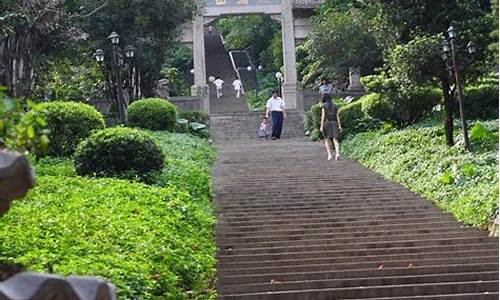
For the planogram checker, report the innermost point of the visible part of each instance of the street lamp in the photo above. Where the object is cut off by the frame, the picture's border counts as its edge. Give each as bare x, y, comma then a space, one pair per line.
471, 47
249, 69
130, 54
191, 71
115, 39
279, 77
99, 55
129, 51
449, 47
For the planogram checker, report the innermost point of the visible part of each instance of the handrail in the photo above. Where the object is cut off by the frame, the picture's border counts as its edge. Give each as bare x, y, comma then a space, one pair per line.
234, 64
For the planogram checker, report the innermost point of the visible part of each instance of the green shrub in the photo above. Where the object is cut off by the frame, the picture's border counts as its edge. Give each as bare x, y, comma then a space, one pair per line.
464, 183
119, 152
376, 106
411, 106
68, 124
152, 113
353, 119
481, 102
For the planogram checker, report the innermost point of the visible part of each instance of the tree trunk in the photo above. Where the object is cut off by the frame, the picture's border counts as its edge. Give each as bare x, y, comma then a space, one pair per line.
448, 110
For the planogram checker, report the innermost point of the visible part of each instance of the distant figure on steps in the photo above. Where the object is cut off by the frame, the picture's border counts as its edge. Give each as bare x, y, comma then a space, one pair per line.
263, 129
218, 86
325, 87
238, 87
210, 29
276, 106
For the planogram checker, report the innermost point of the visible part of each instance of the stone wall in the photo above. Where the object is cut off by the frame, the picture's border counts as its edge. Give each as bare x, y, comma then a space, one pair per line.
187, 103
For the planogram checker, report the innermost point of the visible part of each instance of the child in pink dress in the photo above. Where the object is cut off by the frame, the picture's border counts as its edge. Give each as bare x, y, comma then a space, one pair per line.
263, 130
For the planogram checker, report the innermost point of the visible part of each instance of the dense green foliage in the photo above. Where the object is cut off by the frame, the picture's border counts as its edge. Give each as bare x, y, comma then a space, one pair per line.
21, 134
341, 39
152, 242
40, 34
376, 106
68, 124
464, 183
152, 113
119, 152
354, 120
409, 105
481, 101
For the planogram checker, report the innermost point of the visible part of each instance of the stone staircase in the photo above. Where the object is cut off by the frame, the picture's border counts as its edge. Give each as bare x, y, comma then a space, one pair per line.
292, 225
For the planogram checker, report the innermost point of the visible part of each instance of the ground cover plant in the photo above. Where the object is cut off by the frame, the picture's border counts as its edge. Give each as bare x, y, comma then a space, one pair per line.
463, 183
153, 241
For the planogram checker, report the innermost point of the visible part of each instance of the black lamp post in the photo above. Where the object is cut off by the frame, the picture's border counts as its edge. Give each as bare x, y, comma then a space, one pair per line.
130, 54
449, 47
279, 77
115, 40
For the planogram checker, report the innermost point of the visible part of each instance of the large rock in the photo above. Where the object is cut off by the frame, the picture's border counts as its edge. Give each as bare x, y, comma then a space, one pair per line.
16, 178
50, 287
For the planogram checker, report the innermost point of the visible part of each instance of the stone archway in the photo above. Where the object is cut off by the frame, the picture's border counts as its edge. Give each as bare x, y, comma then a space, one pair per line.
294, 28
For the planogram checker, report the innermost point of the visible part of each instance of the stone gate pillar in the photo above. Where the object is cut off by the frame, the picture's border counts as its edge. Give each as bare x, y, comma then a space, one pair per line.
200, 80
289, 60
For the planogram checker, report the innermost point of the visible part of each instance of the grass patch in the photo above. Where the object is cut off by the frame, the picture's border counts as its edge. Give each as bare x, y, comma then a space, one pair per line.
463, 183
151, 241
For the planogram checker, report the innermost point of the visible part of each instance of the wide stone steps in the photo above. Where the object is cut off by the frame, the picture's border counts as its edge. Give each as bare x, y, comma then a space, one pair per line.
403, 290
291, 225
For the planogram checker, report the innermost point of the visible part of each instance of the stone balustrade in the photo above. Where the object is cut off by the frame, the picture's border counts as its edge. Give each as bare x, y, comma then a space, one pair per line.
304, 4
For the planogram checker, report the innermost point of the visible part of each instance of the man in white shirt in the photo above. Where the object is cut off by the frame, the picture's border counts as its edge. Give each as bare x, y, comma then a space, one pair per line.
276, 106
218, 86
238, 87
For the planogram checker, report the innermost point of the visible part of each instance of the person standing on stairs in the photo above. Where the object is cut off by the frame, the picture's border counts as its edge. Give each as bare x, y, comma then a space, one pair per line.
330, 125
218, 86
276, 106
238, 87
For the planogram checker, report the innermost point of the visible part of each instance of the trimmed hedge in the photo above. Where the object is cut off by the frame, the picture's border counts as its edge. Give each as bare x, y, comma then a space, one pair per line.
68, 124
353, 119
376, 106
481, 102
153, 114
119, 152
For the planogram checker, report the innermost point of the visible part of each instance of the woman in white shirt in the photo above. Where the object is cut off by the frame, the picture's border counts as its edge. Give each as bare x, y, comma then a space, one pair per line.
276, 106
238, 87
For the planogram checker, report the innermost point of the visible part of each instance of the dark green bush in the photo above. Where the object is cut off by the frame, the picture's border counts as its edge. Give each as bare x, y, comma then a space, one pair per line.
376, 106
413, 105
353, 119
152, 113
481, 102
68, 124
410, 104
119, 152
